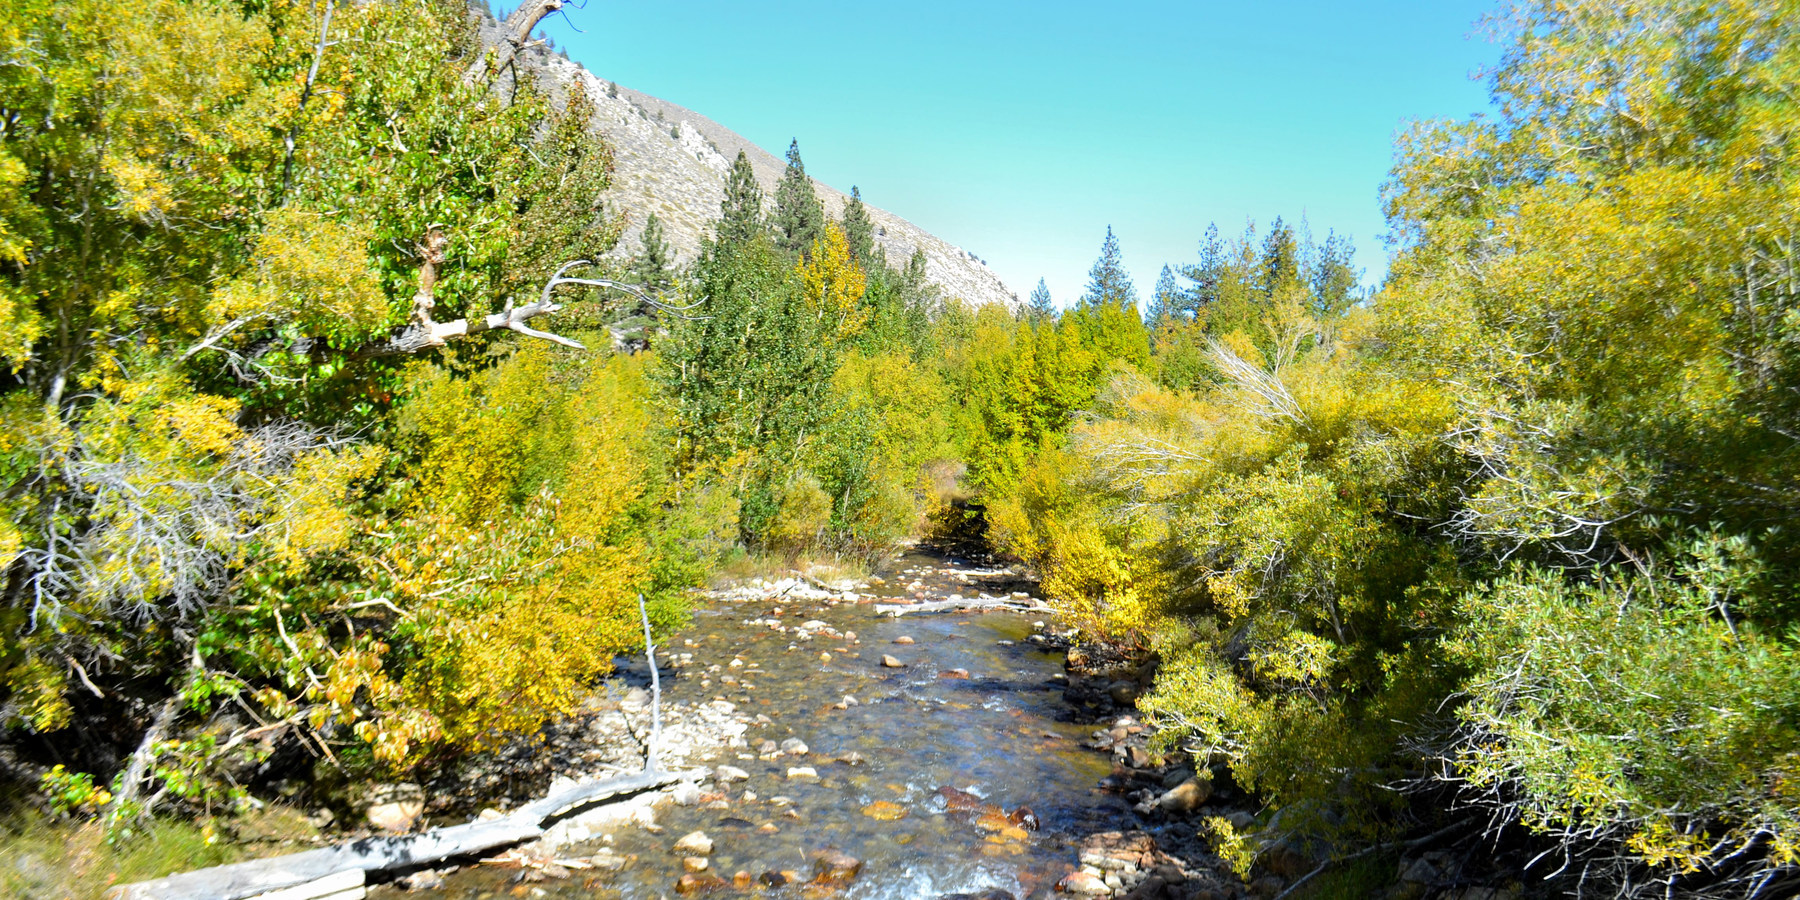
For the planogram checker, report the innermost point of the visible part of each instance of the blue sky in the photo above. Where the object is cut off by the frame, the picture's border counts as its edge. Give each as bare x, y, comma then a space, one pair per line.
1021, 130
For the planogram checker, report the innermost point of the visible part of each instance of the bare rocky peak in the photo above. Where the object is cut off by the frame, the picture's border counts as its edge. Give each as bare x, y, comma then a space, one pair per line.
673, 161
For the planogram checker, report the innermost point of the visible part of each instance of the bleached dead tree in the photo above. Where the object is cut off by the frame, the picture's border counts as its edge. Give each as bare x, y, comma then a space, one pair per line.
519, 25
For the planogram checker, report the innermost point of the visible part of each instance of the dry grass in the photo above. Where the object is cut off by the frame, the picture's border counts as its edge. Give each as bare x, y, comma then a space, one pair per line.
44, 858
742, 566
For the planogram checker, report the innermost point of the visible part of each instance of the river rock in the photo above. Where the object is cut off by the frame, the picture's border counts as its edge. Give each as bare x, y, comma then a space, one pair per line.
954, 673
885, 811
1287, 860
729, 774
694, 863
1267, 887
1151, 888
687, 793
695, 884
836, 867
794, 747
422, 880
903, 639
1186, 796
695, 844
892, 663
395, 807
1084, 885
796, 773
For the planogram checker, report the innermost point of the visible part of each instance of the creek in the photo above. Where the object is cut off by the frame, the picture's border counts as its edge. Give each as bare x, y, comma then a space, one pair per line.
976, 705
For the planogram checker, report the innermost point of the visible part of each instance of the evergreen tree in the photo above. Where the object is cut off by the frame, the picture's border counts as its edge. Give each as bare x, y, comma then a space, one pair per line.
1166, 299
1041, 306
1107, 316
1207, 274
740, 214
1280, 257
1108, 282
858, 230
652, 268
1332, 276
799, 216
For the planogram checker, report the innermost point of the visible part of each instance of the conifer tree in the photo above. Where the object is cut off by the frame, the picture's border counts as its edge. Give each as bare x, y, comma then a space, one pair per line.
1166, 299
1108, 282
1280, 257
858, 230
1107, 317
740, 213
1209, 274
799, 216
653, 266
1041, 306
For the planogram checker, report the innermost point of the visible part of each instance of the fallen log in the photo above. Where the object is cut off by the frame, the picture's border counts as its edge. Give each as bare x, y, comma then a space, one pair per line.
970, 604
376, 854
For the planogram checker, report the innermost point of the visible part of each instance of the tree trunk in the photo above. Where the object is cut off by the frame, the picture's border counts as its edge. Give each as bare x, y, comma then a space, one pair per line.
135, 772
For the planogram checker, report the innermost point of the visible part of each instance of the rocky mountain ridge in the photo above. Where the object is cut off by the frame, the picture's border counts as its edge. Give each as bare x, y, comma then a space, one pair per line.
672, 161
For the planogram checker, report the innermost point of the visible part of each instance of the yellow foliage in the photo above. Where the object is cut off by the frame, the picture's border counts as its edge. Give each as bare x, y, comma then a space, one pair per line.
311, 271
834, 284
804, 513
38, 690
516, 604
11, 542
315, 517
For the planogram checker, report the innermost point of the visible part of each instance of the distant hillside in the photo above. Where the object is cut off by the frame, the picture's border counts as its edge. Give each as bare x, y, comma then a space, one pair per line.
672, 161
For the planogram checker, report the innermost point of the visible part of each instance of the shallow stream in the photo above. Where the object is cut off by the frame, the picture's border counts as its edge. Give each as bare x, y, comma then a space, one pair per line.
975, 706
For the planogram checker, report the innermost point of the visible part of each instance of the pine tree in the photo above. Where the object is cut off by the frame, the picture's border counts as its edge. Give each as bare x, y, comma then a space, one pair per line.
799, 216
653, 266
1280, 257
740, 214
1333, 277
1041, 306
858, 230
1208, 274
1108, 282
1166, 300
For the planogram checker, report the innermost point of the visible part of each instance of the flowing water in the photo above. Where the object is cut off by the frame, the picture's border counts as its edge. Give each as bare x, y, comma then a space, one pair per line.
977, 707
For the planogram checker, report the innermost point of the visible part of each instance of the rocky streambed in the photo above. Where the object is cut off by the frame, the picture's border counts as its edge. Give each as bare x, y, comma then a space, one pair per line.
837, 751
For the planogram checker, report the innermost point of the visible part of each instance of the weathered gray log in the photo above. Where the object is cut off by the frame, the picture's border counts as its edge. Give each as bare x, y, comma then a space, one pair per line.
560, 805
379, 854
347, 885
975, 604
257, 876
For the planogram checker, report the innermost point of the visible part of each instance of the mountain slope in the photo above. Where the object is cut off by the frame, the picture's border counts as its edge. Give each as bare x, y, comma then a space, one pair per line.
672, 161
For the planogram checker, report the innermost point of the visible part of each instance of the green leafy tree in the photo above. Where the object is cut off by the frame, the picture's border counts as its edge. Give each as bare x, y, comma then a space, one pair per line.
216, 263
1616, 322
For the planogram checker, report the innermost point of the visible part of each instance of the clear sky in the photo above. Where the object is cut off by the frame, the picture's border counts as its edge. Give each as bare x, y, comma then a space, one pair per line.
1021, 130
